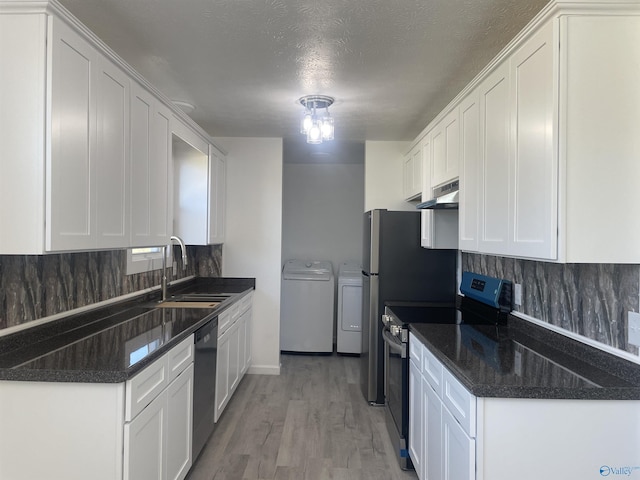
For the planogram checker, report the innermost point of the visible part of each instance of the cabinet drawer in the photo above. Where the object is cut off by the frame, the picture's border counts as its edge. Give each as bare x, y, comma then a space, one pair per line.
224, 321
245, 303
145, 386
180, 357
235, 311
432, 370
460, 402
415, 350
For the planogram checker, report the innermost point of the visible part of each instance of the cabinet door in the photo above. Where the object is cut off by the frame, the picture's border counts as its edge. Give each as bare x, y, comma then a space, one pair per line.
416, 449
446, 138
494, 164
217, 196
222, 374
112, 158
458, 450
144, 442
426, 216
534, 173
149, 161
179, 425
469, 172
431, 433
142, 104
242, 344
416, 176
234, 356
70, 195
407, 176
247, 338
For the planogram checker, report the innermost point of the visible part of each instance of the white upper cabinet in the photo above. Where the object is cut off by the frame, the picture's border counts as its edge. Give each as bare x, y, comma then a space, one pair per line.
150, 160
412, 173
426, 216
85, 141
88, 167
599, 126
469, 172
112, 153
217, 195
493, 225
198, 187
70, 223
547, 137
533, 180
445, 138
518, 168
438, 228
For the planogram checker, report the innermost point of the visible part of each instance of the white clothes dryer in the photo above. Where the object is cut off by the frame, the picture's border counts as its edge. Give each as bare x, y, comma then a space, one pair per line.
349, 329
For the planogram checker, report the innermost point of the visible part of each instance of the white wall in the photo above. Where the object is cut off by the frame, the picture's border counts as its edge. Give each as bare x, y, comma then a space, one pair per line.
383, 175
254, 237
322, 212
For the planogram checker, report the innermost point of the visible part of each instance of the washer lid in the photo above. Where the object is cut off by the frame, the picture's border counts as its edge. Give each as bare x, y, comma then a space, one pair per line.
350, 270
307, 270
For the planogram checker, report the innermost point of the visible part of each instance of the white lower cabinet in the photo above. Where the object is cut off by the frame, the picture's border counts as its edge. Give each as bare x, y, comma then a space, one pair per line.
234, 355
439, 441
431, 428
416, 448
457, 450
134, 430
157, 441
234, 351
179, 425
144, 440
455, 435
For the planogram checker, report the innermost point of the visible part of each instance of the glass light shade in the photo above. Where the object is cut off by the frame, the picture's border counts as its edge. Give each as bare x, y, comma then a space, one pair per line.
307, 120
327, 128
314, 135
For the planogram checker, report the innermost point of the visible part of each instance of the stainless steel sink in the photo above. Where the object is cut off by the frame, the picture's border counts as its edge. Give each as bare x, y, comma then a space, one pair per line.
202, 297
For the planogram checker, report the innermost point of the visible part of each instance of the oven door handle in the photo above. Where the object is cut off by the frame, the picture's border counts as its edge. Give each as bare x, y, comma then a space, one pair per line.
393, 343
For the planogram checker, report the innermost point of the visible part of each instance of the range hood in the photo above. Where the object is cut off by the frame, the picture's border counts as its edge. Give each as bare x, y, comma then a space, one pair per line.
444, 196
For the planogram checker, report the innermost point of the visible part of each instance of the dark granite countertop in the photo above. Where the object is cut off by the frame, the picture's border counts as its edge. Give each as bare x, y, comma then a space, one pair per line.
112, 343
524, 360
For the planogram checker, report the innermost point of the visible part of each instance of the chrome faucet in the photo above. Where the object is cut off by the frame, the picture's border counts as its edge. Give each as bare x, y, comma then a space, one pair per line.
183, 250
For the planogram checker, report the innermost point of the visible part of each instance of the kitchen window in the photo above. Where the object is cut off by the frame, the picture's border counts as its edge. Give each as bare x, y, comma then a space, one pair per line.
140, 260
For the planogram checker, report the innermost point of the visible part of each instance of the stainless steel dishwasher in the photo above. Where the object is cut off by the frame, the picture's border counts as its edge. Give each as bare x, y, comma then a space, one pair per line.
204, 384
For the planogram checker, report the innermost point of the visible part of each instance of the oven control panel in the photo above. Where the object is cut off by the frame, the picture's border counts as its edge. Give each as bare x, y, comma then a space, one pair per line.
488, 290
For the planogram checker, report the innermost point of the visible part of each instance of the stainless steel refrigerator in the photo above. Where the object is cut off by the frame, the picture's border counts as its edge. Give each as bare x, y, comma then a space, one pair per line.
396, 268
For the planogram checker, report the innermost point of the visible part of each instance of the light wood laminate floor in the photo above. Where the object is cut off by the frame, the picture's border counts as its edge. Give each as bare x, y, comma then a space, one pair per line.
309, 423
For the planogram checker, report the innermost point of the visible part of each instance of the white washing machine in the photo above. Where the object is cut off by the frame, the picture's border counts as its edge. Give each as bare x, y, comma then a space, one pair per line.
349, 329
306, 321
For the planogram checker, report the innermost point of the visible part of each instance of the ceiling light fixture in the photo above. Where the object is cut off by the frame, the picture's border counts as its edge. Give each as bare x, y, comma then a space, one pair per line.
316, 125
186, 107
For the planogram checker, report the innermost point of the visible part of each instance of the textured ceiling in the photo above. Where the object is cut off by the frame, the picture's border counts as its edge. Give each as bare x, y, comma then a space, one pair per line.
391, 65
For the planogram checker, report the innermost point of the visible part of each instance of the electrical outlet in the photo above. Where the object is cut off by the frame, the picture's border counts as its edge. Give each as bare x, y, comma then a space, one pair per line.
517, 294
634, 328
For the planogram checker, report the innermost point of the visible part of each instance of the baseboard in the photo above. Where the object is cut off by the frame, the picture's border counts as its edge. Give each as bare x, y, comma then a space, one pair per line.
264, 370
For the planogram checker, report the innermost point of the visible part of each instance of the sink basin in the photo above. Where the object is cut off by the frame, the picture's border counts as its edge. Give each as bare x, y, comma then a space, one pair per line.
187, 304
202, 297
195, 300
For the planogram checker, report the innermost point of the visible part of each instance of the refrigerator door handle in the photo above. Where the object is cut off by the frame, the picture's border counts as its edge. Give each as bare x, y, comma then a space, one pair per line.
374, 266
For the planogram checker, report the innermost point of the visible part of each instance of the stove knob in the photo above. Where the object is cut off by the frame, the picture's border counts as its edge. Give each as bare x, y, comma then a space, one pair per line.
395, 330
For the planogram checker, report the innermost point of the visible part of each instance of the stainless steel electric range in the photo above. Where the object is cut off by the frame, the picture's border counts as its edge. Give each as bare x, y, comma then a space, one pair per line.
486, 301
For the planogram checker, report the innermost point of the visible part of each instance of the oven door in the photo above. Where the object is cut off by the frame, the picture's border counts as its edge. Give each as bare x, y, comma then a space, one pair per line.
396, 385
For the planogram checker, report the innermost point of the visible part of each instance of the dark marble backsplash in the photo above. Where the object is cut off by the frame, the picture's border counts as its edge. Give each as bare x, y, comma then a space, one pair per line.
36, 286
588, 299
